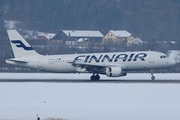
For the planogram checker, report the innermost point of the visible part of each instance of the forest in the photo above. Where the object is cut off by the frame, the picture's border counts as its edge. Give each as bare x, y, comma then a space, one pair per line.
155, 20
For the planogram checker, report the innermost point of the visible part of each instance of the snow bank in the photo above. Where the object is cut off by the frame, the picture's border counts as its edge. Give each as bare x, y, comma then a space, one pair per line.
84, 101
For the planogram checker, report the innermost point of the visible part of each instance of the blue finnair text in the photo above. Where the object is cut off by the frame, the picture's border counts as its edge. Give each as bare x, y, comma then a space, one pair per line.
111, 58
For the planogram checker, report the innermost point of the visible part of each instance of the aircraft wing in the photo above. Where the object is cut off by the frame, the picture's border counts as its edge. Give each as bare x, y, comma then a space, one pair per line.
93, 68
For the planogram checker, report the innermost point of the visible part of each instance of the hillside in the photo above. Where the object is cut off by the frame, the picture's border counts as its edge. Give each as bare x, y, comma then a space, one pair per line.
154, 20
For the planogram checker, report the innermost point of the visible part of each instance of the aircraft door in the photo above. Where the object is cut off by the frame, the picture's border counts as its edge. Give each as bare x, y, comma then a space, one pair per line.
151, 58
40, 63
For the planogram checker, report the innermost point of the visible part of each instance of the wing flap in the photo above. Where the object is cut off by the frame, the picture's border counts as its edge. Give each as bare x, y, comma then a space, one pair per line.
97, 68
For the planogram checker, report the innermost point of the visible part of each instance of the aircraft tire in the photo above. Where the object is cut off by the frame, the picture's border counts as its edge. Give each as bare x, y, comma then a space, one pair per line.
95, 77
152, 77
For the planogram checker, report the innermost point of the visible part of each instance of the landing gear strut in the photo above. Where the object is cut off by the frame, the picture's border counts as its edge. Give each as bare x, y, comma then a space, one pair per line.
152, 77
95, 77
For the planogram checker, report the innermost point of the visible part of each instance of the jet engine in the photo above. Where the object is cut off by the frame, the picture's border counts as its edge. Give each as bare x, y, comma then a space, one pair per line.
115, 72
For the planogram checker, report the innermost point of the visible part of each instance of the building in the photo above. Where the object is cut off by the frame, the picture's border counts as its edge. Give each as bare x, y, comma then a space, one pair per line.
75, 37
45, 36
49, 37
119, 36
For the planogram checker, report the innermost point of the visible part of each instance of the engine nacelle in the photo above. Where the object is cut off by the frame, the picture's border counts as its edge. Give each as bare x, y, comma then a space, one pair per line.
115, 72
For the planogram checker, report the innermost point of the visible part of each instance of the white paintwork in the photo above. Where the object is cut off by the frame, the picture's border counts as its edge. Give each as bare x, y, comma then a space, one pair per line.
67, 64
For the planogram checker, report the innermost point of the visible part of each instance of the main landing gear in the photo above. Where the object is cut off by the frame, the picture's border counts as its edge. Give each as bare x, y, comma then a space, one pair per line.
152, 77
95, 77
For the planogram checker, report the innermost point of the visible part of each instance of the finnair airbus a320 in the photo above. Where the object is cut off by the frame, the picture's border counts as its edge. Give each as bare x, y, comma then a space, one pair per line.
113, 64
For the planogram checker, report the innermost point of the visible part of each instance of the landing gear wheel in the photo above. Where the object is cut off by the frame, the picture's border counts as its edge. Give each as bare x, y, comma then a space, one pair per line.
92, 77
152, 77
95, 77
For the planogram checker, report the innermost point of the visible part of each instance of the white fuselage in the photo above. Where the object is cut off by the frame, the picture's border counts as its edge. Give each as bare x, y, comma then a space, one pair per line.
113, 64
141, 60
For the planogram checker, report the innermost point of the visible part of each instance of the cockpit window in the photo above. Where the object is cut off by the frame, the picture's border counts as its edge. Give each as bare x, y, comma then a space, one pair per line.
163, 56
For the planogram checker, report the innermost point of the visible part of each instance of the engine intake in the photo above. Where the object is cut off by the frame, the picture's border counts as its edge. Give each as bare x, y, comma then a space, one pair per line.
115, 72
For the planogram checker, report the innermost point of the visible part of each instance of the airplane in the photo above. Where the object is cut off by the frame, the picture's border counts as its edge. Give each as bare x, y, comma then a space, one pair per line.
113, 64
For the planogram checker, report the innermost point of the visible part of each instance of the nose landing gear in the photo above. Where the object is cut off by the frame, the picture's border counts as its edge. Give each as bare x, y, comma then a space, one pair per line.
152, 77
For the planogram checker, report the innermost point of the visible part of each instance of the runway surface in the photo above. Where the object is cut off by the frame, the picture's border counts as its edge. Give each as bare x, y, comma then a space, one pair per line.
89, 81
85, 78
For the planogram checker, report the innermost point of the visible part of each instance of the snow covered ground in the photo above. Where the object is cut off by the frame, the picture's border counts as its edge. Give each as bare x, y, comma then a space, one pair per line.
89, 101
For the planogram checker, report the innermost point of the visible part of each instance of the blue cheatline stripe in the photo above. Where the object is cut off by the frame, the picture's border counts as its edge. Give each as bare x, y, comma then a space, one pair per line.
20, 44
